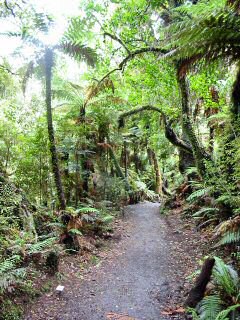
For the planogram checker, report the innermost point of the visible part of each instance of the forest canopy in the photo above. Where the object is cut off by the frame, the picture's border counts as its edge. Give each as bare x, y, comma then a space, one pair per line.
107, 103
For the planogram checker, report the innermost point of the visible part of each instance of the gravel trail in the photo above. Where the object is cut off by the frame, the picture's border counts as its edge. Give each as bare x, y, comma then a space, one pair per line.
132, 285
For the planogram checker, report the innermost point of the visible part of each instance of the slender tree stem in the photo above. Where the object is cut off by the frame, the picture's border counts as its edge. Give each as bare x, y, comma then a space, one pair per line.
53, 150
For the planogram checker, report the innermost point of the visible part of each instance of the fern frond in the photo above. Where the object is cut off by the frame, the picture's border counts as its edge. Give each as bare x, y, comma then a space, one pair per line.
75, 232
107, 218
231, 225
223, 315
205, 32
210, 306
86, 210
198, 194
226, 277
193, 313
11, 277
205, 211
42, 245
80, 52
9, 264
230, 237
94, 89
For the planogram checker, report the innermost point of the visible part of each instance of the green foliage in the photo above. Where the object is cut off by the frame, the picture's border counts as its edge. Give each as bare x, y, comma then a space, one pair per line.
147, 41
210, 307
42, 245
230, 237
205, 212
219, 306
10, 273
196, 195
226, 277
10, 311
223, 315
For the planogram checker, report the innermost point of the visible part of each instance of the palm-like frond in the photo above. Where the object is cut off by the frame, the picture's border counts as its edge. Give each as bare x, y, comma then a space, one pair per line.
79, 52
94, 89
209, 30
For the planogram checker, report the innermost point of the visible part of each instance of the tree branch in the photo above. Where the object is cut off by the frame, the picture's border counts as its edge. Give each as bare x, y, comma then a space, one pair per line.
9, 9
169, 132
174, 139
112, 36
143, 108
130, 56
8, 70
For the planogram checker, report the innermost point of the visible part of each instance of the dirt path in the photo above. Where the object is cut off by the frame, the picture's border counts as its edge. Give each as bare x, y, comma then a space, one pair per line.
133, 282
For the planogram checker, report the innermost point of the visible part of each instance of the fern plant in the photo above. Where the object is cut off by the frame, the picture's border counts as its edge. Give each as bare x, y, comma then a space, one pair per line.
227, 291
10, 273
230, 237
205, 212
226, 277
210, 307
196, 195
42, 245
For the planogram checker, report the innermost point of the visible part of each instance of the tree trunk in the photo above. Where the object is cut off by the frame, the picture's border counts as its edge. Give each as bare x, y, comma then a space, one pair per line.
200, 155
125, 158
78, 188
53, 150
186, 160
197, 292
235, 109
85, 174
119, 171
157, 171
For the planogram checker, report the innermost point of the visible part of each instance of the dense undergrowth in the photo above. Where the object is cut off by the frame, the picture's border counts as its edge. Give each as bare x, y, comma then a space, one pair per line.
136, 100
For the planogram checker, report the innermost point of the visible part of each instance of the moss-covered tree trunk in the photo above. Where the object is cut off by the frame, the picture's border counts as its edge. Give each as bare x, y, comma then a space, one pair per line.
53, 150
158, 177
119, 170
199, 153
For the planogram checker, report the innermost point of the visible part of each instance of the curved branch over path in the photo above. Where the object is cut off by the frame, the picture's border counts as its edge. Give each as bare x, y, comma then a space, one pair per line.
169, 132
130, 56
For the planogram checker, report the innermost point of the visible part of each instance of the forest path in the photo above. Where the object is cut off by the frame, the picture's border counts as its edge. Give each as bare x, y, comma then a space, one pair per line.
133, 284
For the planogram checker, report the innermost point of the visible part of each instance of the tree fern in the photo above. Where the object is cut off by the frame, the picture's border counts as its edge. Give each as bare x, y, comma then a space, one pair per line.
205, 31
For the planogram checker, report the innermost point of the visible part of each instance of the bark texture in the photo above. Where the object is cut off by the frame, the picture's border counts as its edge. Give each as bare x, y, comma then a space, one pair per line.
197, 292
200, 154
53, 150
